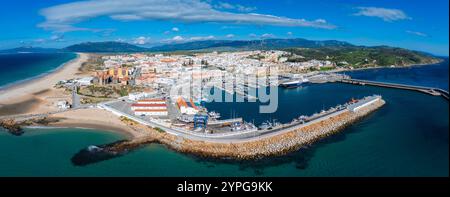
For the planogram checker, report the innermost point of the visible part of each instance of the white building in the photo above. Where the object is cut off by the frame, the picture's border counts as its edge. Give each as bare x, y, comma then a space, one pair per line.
150, 107
84, 81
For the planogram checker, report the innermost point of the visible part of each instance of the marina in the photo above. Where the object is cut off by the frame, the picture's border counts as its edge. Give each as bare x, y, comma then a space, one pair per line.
152, 159
335, 118
247, 132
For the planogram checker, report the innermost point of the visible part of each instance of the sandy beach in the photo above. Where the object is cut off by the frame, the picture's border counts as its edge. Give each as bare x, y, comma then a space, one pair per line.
38, 95
95, 118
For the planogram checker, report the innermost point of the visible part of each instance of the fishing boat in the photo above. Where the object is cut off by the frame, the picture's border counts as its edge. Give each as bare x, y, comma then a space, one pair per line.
266, 126
214, 115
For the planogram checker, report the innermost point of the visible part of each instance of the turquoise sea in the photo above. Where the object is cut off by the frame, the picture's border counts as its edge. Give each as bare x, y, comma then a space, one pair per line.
409, 136
18, 67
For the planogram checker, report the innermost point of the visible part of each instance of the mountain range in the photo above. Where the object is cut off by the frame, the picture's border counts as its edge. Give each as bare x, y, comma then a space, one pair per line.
220, 45
310, 48
301, 50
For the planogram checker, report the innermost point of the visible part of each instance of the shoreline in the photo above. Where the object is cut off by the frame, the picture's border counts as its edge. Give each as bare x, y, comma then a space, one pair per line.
21, 82
91, 128
65, 70
38, 92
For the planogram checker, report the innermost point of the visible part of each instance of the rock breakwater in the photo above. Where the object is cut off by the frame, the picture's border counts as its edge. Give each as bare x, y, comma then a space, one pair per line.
274, 145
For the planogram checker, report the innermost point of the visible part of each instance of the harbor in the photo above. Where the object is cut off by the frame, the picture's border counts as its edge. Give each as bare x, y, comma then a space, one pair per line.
274, 140
153, 158
185, 122
307, 105
243, 89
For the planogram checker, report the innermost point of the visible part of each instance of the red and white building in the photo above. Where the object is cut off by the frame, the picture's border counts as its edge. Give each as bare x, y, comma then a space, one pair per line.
150, 107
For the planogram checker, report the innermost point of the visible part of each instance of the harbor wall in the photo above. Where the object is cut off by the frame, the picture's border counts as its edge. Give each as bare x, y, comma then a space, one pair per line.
274, 145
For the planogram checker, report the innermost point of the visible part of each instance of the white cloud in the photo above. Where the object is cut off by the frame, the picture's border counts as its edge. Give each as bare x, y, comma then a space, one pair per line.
383, 13
289, 33
63, 17
223, 5
141, 40
238, 7
245, 9
201, 38
230, 36
417, 33
252, 35
267, 36
181, 39
175, 29
53, 38
178, 38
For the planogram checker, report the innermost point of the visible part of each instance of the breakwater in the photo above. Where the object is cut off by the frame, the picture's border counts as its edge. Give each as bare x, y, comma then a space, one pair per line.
277, 143
274, 145
94, 154
426, 90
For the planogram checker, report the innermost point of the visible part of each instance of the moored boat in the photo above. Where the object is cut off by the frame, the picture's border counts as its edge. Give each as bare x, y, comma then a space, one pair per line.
294, 83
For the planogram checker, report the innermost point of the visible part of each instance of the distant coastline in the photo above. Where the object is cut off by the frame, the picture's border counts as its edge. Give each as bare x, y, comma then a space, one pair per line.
441, 60
37, 77
29, 95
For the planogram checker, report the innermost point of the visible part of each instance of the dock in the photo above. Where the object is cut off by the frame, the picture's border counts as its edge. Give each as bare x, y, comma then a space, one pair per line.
225, 122
423, 89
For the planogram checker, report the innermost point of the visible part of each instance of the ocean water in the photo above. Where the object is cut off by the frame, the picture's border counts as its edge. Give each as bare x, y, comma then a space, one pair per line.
435, 75
409, 136
22, 66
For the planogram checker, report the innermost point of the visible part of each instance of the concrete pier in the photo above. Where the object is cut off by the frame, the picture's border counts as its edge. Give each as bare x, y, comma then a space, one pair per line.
427, 90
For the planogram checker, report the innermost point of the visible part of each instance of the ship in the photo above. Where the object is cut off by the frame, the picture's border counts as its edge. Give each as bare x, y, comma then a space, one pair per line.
294, 83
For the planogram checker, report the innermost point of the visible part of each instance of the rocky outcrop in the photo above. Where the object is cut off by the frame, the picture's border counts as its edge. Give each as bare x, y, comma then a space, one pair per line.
94, 154
12, 127
15, 126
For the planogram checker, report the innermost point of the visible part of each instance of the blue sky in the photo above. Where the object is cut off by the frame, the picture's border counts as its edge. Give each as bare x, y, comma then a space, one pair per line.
414, 24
